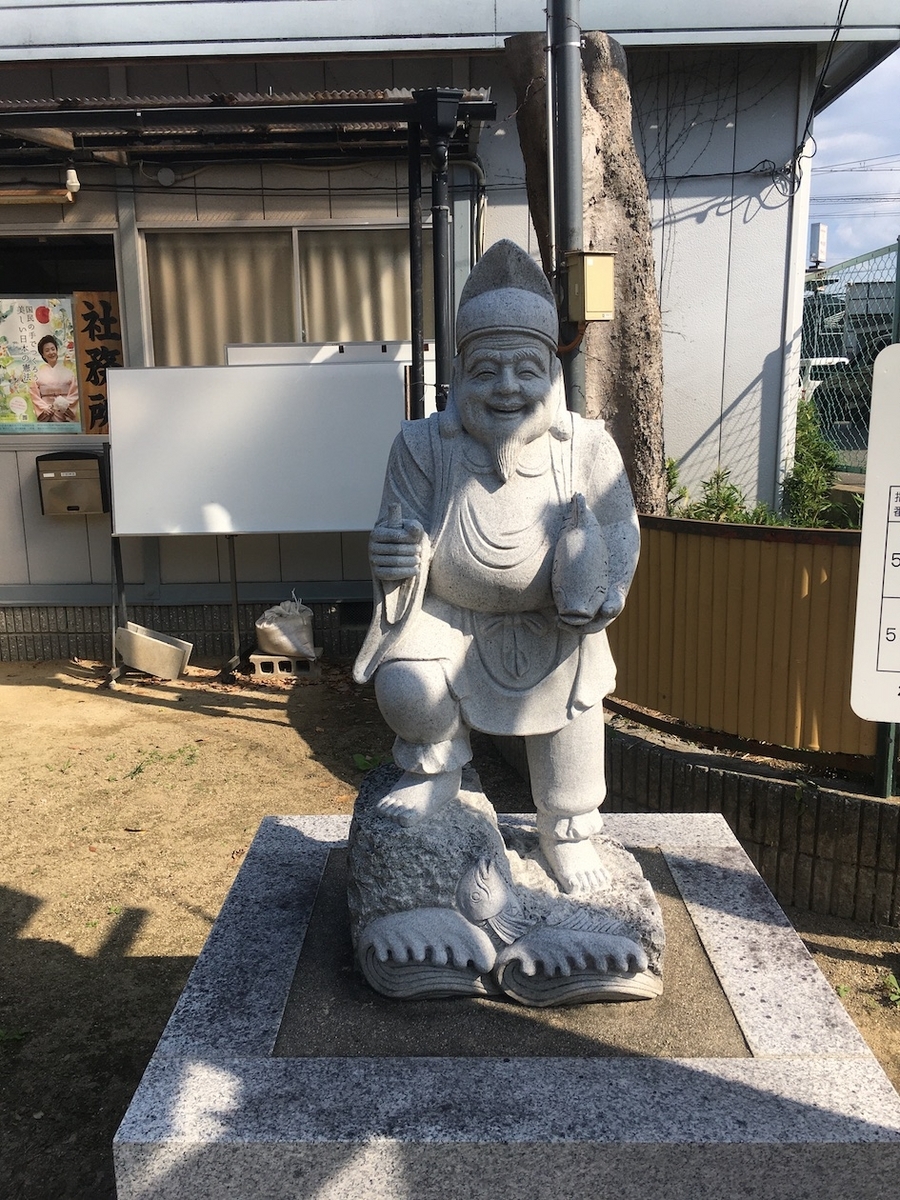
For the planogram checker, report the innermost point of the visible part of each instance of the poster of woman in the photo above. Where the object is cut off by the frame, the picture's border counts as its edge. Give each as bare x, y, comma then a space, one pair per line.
38, 387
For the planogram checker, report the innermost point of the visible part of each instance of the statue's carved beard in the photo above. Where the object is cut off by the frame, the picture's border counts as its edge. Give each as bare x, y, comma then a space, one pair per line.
505, 448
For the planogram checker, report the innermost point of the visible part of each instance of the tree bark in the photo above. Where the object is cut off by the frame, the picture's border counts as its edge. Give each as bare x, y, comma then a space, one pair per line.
623, 357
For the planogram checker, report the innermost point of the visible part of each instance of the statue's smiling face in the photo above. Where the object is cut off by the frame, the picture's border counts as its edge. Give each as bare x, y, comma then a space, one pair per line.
504, 389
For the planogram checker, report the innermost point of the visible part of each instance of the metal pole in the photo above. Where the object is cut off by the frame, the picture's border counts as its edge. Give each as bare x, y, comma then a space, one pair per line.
566, 54
438, 110
551, 151
885, 758
416, 292
227, 672
440, 232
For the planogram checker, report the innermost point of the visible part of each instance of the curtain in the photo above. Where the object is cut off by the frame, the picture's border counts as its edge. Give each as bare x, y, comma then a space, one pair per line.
211, 289
354, 285
237, 286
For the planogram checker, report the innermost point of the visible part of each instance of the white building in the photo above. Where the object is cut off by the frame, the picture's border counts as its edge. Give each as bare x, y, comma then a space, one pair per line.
255, 234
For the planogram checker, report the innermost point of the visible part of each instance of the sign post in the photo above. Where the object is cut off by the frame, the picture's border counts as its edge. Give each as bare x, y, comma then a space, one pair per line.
875, 682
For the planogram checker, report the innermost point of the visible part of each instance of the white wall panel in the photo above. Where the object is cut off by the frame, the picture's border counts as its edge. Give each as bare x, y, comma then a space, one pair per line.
158, 79
225, 195
156, 205
256, 557
57, 546
693, 298
189, 560
315, 556
507, 213
367, 193
132, 559
295, 194
13, 557
723, 239
355, 554
99, 548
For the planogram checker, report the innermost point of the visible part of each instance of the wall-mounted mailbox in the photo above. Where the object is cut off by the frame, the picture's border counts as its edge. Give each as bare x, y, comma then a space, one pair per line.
70, 481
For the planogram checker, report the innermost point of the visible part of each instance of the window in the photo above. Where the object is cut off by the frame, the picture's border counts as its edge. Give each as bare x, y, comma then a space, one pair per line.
210, 289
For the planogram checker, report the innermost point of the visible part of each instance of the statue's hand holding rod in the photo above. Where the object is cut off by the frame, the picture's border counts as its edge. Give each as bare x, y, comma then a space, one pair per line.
395, 547
397, 552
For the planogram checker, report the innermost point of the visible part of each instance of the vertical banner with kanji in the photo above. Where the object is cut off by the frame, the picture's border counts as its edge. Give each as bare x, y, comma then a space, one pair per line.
98, 346
38, 387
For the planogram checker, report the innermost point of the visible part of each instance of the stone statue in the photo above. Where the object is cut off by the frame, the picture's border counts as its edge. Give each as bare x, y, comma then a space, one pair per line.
506, 543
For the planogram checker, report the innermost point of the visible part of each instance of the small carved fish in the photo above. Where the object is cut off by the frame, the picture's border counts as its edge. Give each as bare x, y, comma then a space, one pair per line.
482, 892
484, 898
580, 565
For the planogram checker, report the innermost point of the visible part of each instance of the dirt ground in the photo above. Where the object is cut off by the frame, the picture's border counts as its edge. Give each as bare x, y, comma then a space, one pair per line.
126, 816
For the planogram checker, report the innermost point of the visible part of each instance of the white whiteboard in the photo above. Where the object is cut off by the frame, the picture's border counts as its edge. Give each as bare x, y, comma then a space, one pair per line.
287, 448
336, 353
875, 682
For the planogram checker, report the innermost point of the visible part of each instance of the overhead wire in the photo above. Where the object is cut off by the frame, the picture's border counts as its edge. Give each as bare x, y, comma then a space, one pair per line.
787, 180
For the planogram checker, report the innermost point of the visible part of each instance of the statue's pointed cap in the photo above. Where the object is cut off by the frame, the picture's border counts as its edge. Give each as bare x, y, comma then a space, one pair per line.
507, 292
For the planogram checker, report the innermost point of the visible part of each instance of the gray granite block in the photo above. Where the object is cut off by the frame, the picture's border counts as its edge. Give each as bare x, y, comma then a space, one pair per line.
810, 1114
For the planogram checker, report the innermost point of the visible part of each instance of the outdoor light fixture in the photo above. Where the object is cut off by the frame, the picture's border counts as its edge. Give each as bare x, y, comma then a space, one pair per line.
43, 195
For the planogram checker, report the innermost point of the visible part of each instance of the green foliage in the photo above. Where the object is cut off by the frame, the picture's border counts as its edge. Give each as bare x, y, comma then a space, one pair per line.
368, 762
721, 500
890, 989
13, 1035
676, 494
807, 486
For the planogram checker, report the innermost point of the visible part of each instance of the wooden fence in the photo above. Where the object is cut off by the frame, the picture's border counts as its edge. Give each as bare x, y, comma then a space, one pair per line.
746, 630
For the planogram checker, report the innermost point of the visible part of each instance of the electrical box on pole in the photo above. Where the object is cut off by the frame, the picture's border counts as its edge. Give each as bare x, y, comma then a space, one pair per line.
591, 286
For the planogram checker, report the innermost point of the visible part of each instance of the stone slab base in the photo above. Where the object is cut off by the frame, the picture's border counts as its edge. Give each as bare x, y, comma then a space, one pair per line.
808, 1112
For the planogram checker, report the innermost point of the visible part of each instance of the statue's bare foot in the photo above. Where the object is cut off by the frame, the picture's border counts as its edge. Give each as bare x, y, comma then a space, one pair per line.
415, 797
576, 865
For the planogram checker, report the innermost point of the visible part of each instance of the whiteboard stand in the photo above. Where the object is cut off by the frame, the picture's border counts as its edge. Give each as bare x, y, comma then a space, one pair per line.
119, 610
280, 447
237, 651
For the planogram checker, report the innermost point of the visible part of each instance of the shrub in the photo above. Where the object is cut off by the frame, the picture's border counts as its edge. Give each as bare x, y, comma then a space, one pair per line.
807, 486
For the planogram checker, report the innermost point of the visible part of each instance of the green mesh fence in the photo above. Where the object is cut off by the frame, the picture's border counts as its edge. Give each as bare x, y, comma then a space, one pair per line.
848, 315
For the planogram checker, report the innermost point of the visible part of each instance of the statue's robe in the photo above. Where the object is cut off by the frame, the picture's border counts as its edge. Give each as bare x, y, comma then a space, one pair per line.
482, 605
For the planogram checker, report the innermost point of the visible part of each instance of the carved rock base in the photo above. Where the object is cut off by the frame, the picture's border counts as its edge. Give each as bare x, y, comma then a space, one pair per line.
461, 904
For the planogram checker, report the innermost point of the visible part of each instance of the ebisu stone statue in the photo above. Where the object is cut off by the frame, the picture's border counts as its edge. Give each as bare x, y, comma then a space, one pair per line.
506, 543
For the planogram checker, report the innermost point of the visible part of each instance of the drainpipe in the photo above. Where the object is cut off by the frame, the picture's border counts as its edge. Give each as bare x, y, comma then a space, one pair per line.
551, 151
416, 290
438, 109
565, 52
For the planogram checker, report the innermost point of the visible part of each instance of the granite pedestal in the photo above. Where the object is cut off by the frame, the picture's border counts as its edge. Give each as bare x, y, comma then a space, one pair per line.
745, 1080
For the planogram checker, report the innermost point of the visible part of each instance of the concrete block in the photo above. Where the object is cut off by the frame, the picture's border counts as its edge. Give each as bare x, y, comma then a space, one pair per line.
155, 653
280, 666
800, 1108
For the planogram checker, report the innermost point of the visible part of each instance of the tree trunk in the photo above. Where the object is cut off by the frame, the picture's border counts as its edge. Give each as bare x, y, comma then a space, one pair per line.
623, 357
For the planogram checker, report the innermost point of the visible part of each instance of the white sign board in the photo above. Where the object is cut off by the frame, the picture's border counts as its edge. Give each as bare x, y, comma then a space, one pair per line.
336, 353
287, 448
875, 684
